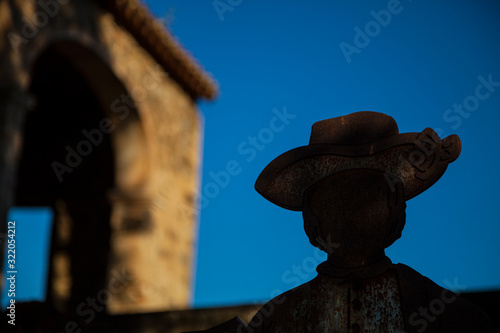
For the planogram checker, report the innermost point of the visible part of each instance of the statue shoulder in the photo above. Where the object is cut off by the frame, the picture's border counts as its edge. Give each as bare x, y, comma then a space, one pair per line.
283, 308
429, 307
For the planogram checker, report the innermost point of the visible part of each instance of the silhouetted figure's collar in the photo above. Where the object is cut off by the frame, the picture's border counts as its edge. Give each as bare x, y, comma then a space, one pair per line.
363, 272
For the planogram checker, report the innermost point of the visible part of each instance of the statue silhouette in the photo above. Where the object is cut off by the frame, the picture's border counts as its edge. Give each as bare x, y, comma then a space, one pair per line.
351, 183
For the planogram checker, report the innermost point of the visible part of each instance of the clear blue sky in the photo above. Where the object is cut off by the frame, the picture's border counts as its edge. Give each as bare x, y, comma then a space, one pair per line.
32, 234
309, 58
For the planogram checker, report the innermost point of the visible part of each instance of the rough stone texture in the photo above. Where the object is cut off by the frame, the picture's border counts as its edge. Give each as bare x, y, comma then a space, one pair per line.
329, 305
159, 258
156, 148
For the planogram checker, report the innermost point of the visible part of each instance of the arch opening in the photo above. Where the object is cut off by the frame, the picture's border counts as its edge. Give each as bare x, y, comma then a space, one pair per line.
69, 163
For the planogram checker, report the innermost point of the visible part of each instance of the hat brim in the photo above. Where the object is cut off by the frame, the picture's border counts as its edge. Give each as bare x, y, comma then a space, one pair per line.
418, 159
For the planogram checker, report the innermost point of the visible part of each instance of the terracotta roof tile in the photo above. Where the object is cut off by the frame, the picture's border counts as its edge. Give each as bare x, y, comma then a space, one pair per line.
160, 43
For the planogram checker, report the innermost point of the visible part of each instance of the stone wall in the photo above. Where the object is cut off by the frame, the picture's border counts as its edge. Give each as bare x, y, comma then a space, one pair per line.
156, 144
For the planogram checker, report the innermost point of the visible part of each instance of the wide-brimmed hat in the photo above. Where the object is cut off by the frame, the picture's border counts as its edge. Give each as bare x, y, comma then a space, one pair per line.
360, 140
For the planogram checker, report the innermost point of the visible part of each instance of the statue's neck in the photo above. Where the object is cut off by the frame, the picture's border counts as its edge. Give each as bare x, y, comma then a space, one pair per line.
363, 269
355, 261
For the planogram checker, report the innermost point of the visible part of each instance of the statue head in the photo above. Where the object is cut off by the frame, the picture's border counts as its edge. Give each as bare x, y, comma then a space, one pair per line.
353, 180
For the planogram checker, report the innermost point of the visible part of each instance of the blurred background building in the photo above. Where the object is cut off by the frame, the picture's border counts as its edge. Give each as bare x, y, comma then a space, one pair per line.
99, 122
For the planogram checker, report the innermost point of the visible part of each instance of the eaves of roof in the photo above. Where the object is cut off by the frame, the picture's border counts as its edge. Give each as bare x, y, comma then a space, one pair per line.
159, 42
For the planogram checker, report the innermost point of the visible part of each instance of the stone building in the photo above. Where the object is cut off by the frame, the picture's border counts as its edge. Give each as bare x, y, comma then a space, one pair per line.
98, 121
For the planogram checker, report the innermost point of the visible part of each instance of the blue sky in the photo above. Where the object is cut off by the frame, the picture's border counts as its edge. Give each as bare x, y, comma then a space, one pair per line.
32, 234
428, 64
